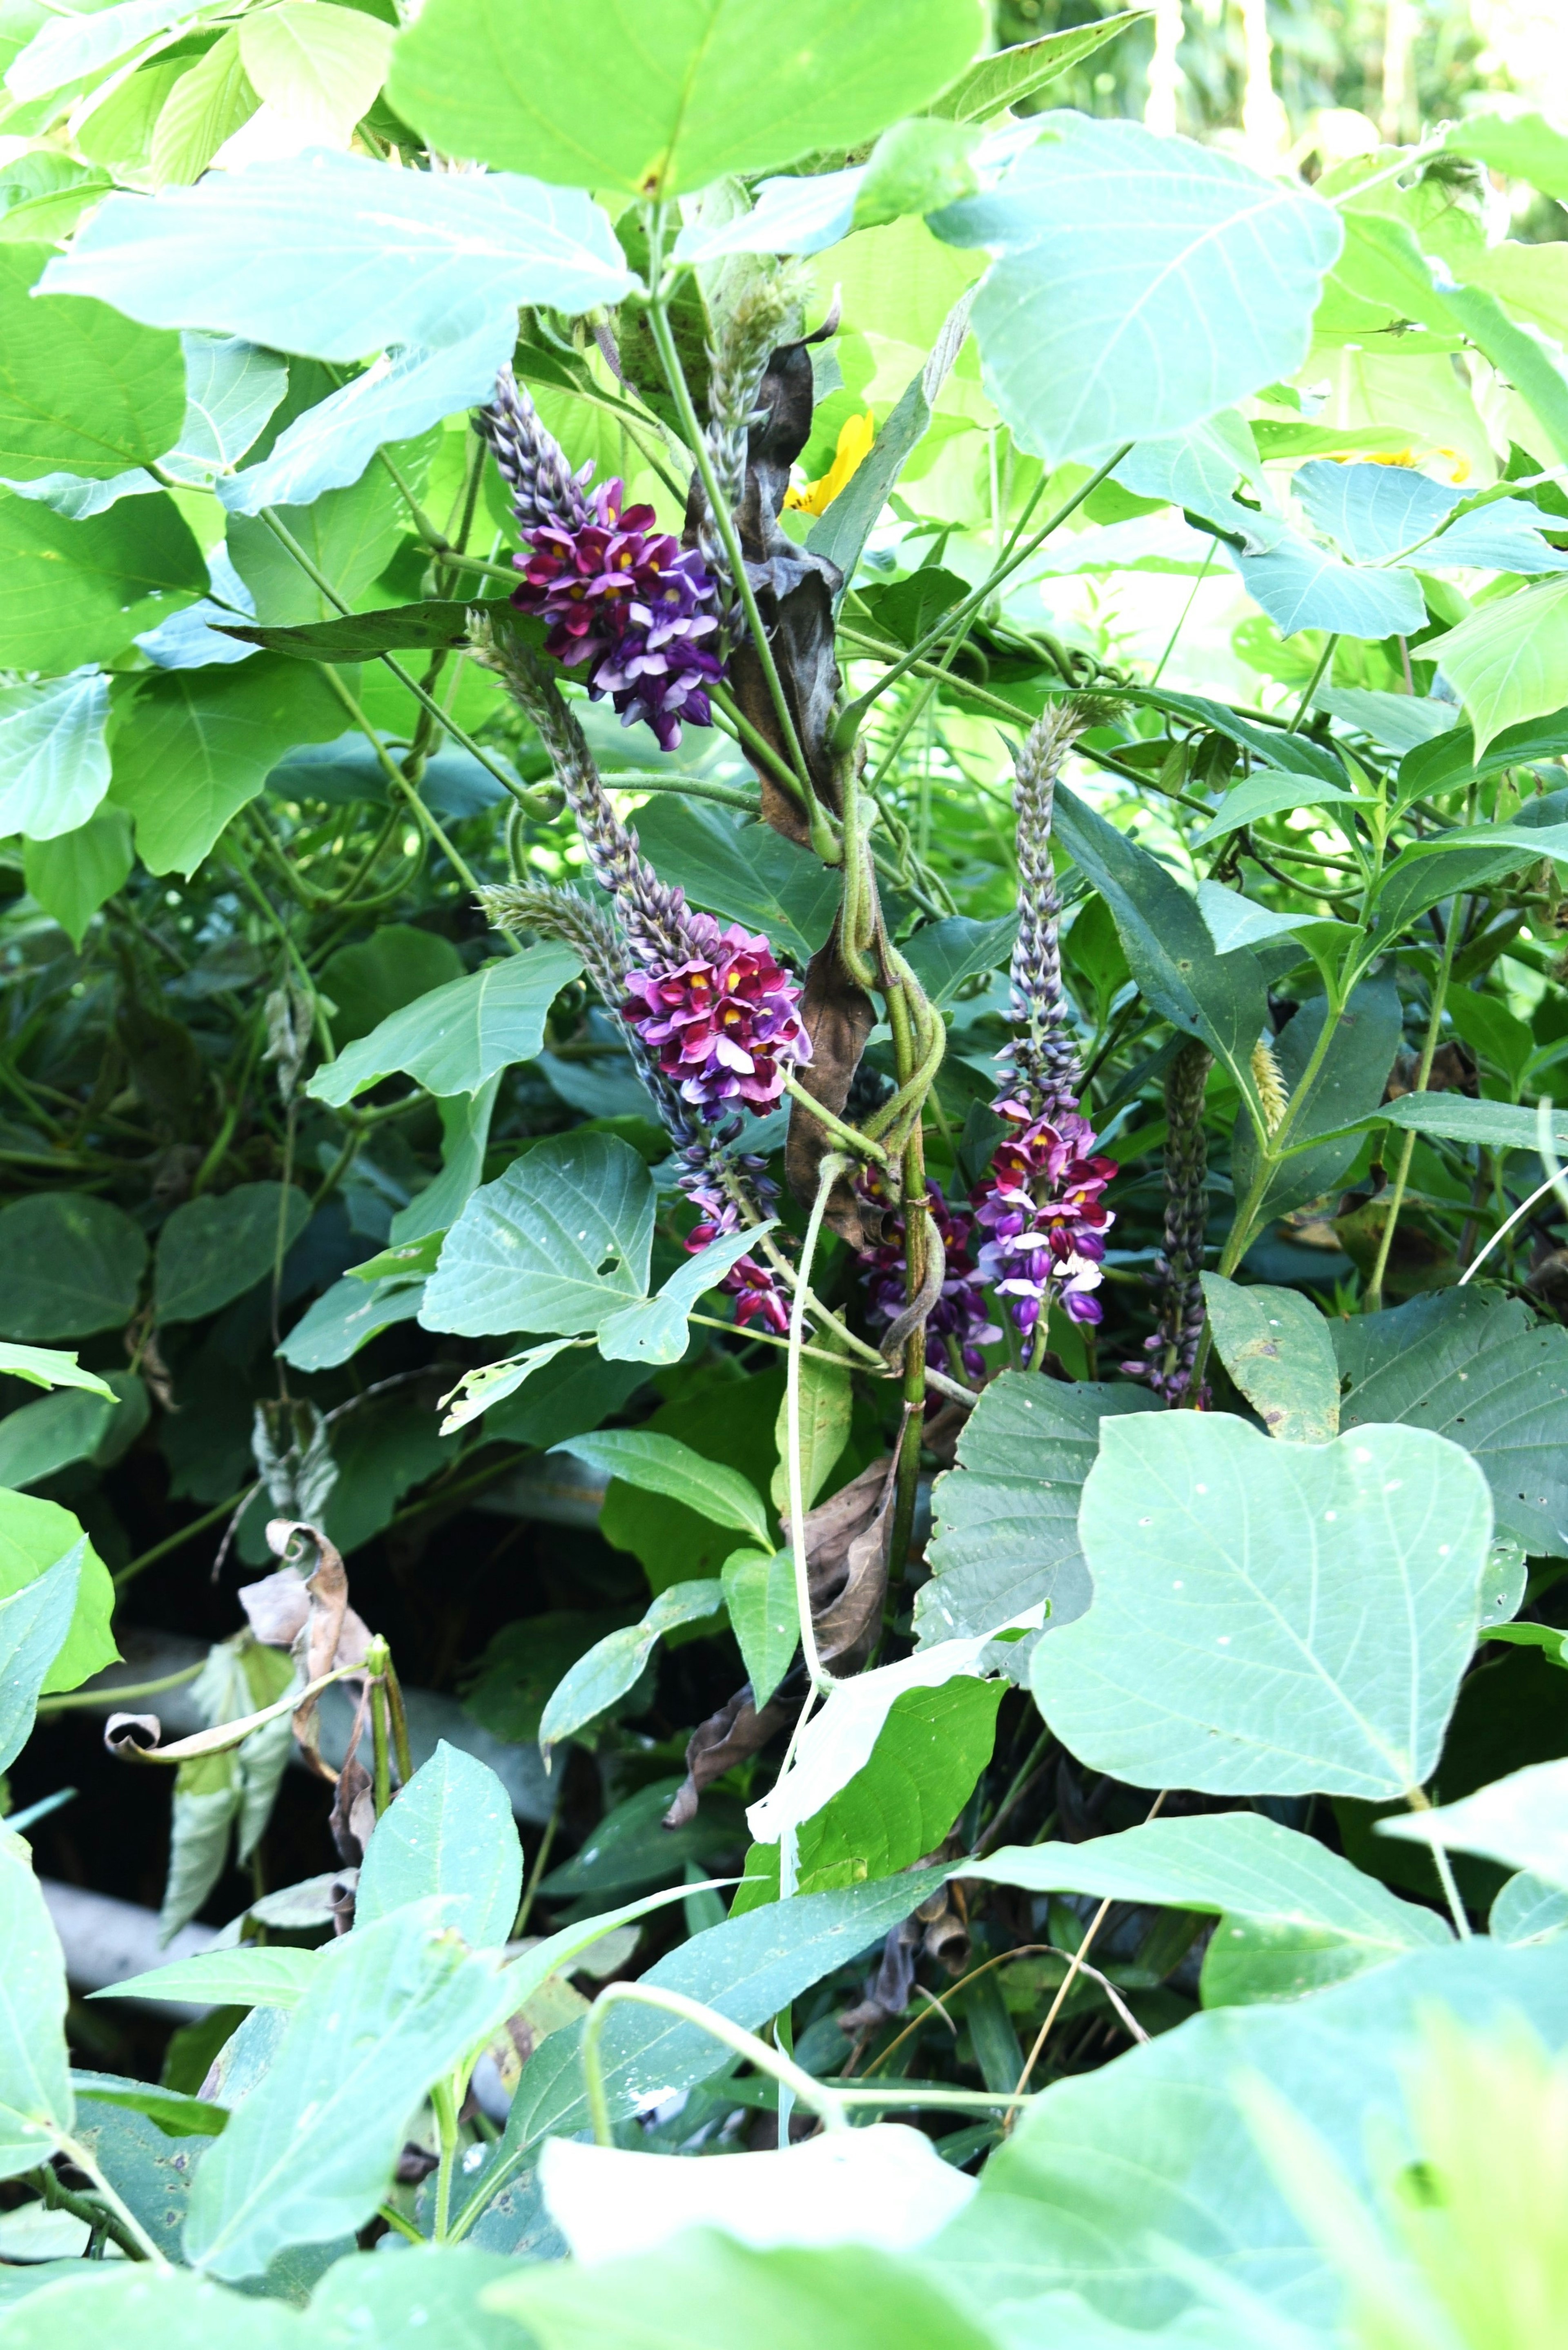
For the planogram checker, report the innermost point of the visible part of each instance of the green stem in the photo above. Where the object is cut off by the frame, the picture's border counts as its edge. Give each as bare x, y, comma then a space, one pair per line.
186, 1534
861, 1145
120, 1695
1312, 682
831, 1169
822, 2101
445, 2106
83, 2161
541, 1861
1373, 1300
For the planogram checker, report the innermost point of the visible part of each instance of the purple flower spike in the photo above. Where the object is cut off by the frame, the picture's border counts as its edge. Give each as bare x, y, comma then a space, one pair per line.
754, 1287
1041, 1206
959, 1313
725, 1025
622, 598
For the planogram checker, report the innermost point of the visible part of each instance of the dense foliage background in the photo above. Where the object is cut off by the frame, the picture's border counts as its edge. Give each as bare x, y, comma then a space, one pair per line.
1145, 452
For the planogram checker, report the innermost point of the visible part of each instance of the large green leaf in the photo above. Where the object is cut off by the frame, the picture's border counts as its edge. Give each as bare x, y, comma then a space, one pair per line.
727, 86
1143, 283
748, 1968
450, 1833
336, 256
560, 1243
53, 758
1522, 1820
36, 2099
82, 389
749, 874
141, 2308
45, 1435
378, 976
662, 1464
1472, 1364
1328, 1919
454, 1040
214, 1249
709, 2291
1221, 998
73, 877
149, 2172
1106, 2173
1269, 1619
944, 955
1508, 659
74, 592
613, 1665
310, 2152
759, 1593
33, 1537
428, 2299
35, 1619
1006, 1518
198, 744
1277, 1347
1493, 1125
658, 1329
346, 1318
73, 1265
321, 68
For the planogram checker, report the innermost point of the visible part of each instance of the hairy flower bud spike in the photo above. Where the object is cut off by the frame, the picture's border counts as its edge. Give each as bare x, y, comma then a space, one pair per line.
1172, 1350
545, 490
768, 311
1269, 1078
553, 913
1044, 1060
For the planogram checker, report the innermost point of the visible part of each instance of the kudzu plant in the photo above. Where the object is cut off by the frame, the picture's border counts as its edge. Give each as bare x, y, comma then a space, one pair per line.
611, 928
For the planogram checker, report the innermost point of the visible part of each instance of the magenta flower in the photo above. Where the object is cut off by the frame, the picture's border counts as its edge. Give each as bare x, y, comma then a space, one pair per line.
1041, 1205
623, 599
960, 1314
725, 1025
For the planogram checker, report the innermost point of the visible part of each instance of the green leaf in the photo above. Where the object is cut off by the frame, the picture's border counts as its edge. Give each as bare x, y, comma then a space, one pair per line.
1486, 1125
176, 2115
1522, 1820
369, 982
1320, 1909
319, 67
391, 2009
1190, 1524
334, 256
993, 84
1302, 586
614, 1665
558, 1244
1524, 146
43, 1437
1507, 660
203, 109
759, 1593
53, 758
728, 86
43, 1367
212, 1249
72, 878
749, 1968
662, 1464
432, 2295
658, 1330
944, 955
457, 1038
747, 873
34, 1536
1006, 1519
364, 636
1348, 1085
1277, 1347
346, 1318
197, 745
1471, 1365
73, 1264
82, 389
904, 1801
1106, 2173
35, 2100
631, 1847
35, 1619
449, 1834
717, 2292
67, 49
259, 1975
75, 592
349, 536
1232, 920
1528, 1909
476, 1391
827, 1406
147, 2309
1221, 998
1112, 243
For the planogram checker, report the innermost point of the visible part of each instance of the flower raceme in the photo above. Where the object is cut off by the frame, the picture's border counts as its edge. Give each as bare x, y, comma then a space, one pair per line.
959, 1313
724, 1025
754, 1287
1041, 1206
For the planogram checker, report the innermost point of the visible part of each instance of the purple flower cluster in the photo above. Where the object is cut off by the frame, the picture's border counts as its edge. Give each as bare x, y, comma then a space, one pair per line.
960, 1314
724, 1025
1041, 1206
622, 597
754, 1287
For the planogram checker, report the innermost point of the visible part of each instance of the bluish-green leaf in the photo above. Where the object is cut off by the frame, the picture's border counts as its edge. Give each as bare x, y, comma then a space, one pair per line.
658, 1331
1522, 1820
53, 758
346, 1318
612, 1666
35, 2100
76, 592
454, 1040
560, 1243
214, 1248
35, 1618
1269, 1619
1143, 283
450, 1833
73, 1265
